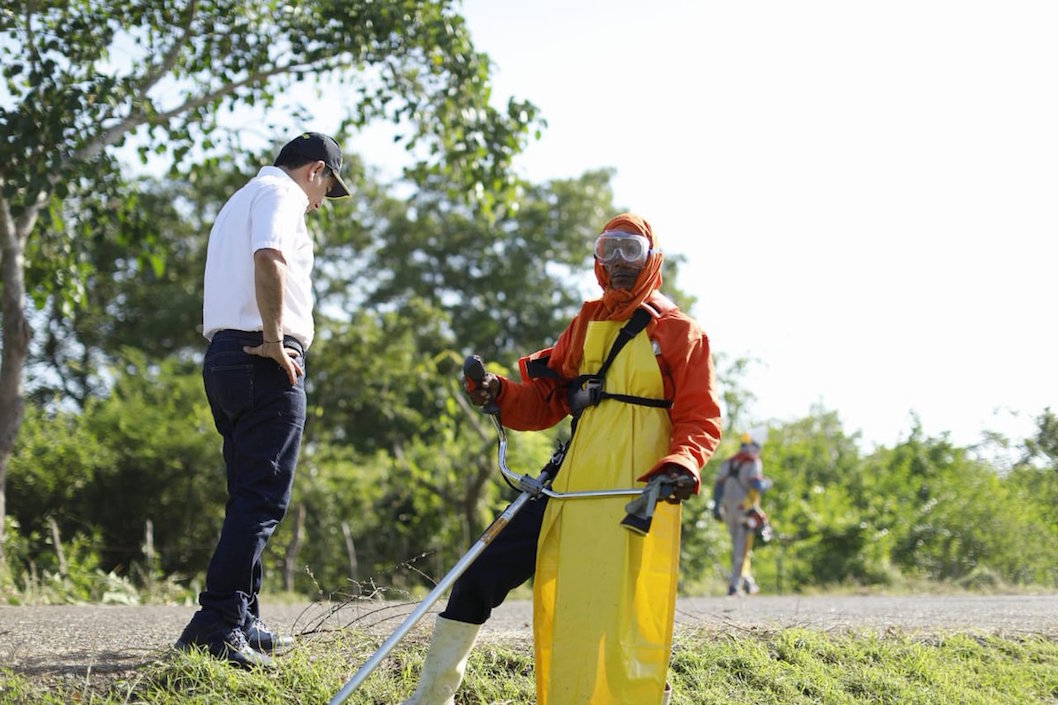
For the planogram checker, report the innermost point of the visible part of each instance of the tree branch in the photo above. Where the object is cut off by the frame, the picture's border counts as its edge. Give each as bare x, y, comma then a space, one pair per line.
113, 134
472, 414
7, 222
30, 34
159, 69
25, 222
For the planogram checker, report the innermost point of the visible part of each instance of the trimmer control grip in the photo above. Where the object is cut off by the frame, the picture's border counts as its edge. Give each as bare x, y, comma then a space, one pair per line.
474, 369
473, 375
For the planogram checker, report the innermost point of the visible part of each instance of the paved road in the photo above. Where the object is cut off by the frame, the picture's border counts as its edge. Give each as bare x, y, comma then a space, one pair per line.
61, 641
1007, 614
997, 614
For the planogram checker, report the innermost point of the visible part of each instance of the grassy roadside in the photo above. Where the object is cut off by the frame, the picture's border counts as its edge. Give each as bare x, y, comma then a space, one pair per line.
755, 666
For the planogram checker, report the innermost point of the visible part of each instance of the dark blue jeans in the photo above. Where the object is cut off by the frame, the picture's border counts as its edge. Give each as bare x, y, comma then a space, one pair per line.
261, 418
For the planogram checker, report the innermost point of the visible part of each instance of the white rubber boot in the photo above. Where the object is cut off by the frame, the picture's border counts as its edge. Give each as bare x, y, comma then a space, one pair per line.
667, 696
442, 671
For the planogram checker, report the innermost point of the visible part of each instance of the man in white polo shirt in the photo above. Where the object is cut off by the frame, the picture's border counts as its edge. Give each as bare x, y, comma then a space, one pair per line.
257, 315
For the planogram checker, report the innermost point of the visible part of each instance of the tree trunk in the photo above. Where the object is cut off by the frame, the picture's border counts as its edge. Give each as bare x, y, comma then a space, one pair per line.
16, 335
350, 550
472, 526
56, 540
148, 556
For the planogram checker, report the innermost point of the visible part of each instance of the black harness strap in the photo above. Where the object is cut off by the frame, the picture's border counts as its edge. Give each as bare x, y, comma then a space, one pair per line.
636, 323
588, 390
639, 401
733, 469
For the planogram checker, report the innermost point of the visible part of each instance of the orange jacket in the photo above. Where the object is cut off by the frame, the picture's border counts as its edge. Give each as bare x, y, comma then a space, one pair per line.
686, 368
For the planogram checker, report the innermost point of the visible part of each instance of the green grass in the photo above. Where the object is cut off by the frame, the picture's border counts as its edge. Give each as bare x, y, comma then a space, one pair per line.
709, 666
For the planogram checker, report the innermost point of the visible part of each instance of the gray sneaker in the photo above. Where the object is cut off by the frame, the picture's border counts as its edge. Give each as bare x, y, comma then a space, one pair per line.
221, 640
264, 639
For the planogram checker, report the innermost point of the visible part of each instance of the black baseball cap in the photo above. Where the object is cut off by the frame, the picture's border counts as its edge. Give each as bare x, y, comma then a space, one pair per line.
315, 145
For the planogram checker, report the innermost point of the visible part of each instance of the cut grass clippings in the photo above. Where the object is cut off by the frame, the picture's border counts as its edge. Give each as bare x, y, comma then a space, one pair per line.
761, 667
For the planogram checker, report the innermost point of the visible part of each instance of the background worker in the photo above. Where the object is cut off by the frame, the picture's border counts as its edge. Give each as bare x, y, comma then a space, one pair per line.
604, 597
257, 315
737, 492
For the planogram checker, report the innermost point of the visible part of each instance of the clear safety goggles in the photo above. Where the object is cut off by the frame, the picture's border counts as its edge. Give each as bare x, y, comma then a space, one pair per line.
630, 247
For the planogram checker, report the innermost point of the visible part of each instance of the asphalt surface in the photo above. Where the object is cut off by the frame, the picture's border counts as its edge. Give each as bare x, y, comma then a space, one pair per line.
49, 642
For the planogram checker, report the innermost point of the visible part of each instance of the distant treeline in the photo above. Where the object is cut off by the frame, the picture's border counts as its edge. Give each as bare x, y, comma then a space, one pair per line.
111, 480
146, 456
117, 470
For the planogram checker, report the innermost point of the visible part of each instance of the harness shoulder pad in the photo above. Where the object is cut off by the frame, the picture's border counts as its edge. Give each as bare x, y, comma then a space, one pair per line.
535, 366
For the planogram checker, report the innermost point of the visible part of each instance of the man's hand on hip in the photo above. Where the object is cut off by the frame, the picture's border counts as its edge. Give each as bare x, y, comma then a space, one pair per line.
283, 356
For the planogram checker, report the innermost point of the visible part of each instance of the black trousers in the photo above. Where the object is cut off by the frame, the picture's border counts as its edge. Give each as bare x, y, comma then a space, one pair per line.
506, 563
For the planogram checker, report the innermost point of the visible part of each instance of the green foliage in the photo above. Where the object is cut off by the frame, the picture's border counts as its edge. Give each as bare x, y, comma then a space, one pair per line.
337, 486
734, 395
412, 502
410, 514
466, 260
823, 536
165, 448
127, 298
378, 380
500, 287
83, 76
84, 583
97, 473
391, 448
921, 510
56, 463
1043, 447
952, 515
146, 452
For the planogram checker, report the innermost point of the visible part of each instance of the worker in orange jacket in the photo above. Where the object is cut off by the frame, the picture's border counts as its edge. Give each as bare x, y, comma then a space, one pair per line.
604, 597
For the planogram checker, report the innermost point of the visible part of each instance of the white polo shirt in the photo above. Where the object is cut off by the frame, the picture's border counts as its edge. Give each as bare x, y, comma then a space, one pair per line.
268, 212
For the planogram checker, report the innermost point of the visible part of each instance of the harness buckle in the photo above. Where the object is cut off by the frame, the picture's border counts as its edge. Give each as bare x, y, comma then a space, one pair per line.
587, 394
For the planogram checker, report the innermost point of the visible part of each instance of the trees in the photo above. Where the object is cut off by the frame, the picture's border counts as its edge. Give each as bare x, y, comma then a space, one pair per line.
421, 280
923, 510
1043, 447
83, 78
390, 457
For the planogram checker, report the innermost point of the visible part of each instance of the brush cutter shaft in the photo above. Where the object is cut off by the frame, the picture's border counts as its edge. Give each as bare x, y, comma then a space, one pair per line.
412, 619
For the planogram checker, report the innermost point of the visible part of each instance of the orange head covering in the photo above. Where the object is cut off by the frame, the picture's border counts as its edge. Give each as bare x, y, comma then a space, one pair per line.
620, 304
615, 304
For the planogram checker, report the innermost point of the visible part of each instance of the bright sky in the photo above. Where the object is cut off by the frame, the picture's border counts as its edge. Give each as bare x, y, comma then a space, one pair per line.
866, 193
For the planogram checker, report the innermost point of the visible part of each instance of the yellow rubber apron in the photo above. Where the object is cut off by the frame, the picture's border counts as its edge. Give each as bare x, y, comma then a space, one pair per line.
604, 598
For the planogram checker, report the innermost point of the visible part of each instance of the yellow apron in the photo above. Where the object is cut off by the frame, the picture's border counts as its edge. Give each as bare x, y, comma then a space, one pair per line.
604, 598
